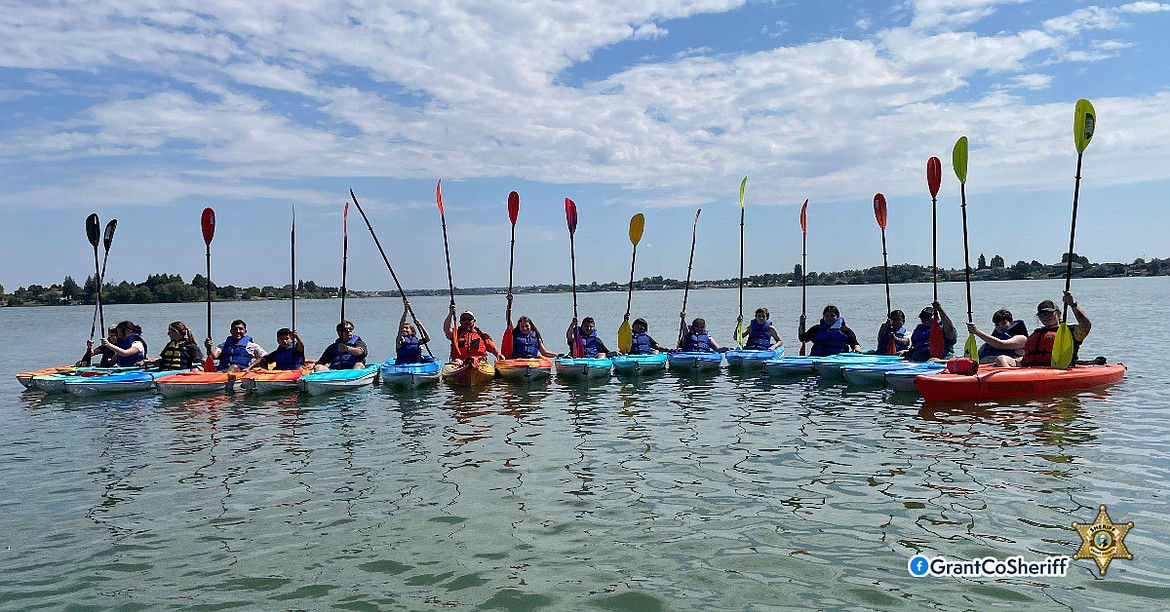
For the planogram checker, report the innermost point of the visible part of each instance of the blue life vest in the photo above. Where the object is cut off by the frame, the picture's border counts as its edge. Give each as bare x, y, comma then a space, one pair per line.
525, 346
409, 351
640, 344
829, 339
884, 339
758, 337
234, 353
288, 358
129, 360
990, 351
920, 343
696, 342
591, 342
345, 361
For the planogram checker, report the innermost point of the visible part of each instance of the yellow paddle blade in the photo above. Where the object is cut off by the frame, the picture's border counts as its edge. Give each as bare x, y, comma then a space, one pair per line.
1084, 121
971, 348
742, 187
1062, 347
625, 337
959, 159
637, 224
739, 335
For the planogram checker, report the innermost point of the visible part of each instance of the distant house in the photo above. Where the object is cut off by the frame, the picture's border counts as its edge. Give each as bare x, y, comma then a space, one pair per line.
1062, 266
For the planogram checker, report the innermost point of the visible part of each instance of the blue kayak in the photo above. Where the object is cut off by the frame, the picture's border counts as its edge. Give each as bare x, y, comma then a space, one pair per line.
751, 358
829, 368
328, 381
789, 366
639, 364
118, 382
583, 368
874, 373
694, 361
904, 379
410, 374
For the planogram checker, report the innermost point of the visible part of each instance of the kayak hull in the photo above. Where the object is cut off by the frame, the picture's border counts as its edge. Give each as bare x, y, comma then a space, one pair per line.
998, 383
524, 369
862, 374
120, 382
271, 381
468, 374
639, 364
789, 367
331, 381
829, 368
904, 379
694, 361
583, 368
739, 359
184, 383
410, 375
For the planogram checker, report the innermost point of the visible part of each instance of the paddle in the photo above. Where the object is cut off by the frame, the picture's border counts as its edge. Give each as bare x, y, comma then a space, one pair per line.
293, 259
578, 347
93, 228
207, 221
934, 180
344, 253
739, 321
1084, 121
687, 287
803, 264
513, 212
447, 252
385, 259
959, 160
625, 334
879, 212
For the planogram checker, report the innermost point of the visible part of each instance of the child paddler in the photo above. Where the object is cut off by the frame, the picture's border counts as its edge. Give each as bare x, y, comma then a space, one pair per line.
107, 356
289, 354
408, 345
697, 340
1006, 341
182, 351
830, 336
920, 338
760, 334
526, 340
892, 334
128, 347
641, 343
587, 333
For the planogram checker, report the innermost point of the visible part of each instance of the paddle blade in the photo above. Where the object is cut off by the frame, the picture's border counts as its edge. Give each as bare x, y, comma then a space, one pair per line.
439, 195
1084, 120
513, 206
506, 343
571, 215
879, 210
802, 347
1062, 347
625, 337
938, 344
959, 159
742, 187
971, 348
208, 364
108, 237
739, 334
637, 225
804, 218
207, 221
93, 229
578, 346
933, 175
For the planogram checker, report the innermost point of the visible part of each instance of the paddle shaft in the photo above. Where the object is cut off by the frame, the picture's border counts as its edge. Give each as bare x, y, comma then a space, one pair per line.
886, 269
966, 256
1072, 234
630, 291
208, 290
102, 279
97, 305
293, 260
573, 272
687, 287
934, 241
344, 255
741, 215
803, 279
446, 251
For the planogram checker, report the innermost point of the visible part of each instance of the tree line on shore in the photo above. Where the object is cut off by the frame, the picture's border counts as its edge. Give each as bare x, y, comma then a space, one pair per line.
170, 288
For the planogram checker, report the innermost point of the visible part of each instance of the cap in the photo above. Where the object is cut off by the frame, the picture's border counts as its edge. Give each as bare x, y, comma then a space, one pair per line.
467, 313
1045, 306
927, 313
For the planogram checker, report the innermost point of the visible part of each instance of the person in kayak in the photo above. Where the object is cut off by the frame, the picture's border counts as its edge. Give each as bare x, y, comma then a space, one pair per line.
182, 352
347, 352
640, 341
129, 347
289, 354
468, 341
236, 353
408, 345
920, 338
1005, 344
760, 334
697, 340
1038, 346
587, 333
526, 340
830, 336
108, 356
894, 329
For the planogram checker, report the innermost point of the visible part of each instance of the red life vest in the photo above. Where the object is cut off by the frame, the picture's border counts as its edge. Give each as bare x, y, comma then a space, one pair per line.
1038, 348
469, 344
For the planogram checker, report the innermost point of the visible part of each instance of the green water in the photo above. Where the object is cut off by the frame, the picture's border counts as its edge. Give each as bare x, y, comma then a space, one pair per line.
717, 492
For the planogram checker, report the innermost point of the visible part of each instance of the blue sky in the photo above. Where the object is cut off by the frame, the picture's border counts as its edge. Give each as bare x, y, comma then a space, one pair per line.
147, 111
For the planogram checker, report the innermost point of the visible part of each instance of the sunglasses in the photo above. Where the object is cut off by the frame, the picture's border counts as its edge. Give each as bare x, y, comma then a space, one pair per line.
466, 318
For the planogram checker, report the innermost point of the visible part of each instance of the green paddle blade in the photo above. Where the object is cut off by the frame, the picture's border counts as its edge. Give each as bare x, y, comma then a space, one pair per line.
742, 187
739, 334
971, 348
625, 336
959, 159
1062, 347
1084, 120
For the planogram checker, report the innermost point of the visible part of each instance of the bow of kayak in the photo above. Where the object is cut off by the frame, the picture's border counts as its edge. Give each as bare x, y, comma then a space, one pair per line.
524, 369
469, 373
426, 370
748, 358
583, 368
639, 364
694, 361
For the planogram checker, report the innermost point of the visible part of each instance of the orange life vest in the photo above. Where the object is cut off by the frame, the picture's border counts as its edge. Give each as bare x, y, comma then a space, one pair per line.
469, 344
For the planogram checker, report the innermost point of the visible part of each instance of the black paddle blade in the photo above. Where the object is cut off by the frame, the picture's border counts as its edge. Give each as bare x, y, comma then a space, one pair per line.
109, 235
93, 229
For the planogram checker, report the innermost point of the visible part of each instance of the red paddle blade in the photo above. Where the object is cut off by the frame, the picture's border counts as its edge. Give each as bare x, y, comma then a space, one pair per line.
506, 343
804, 218
93, 229
933, 175
879, 210
578, 346
937, 342
439, 195
571, 214
802, 351
345, 218
208, 223
513, 206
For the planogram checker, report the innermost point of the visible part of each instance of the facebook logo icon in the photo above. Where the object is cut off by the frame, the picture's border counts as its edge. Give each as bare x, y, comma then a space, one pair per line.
919, 566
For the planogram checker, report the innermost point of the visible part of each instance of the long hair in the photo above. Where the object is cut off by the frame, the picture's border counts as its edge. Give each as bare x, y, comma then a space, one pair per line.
181, 328
128, 326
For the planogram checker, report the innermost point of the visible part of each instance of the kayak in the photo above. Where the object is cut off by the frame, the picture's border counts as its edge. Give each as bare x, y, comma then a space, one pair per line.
583, 368
52, 380
117, 382
694, 361
410, 374
903, 380
269, 381
994, 383
26, 378
751, 358
789, 366
469, 373
829, 368
328, 381
873, 373
190, 382
639, 364
524, 369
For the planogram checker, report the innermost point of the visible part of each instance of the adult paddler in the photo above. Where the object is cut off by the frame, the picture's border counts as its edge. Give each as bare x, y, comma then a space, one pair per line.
467, 340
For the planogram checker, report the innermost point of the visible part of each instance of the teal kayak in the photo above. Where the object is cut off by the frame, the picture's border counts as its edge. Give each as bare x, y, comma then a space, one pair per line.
829, 368
639, 364
875, 373
117, 382
583, 368
694, 361
904, 379
410, 374
751, 358
789, 366
328, 381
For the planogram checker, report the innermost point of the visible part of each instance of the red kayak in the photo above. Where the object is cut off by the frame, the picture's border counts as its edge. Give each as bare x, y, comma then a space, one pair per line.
993, 383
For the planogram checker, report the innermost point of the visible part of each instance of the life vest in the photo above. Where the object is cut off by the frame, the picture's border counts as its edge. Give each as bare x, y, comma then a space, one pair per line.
696, 342
469, 344
920, 343
125, 343
640, 344
109, 357
990, 351
345, 360
829, 339
176, 355
409, 350
758, 337
1038, 348
591, 343
525, 346
234, 353
291, 358
884, 339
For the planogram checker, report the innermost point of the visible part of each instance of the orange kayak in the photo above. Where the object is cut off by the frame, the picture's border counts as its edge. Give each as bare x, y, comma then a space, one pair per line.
468, 374
191, 382
268, 381
995, 383
524, 369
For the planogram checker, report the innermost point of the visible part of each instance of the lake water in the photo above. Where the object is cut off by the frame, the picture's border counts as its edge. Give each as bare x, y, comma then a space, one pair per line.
676, 493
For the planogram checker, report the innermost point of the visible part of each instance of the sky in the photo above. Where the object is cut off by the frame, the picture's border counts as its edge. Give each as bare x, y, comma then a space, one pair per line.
147, 111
